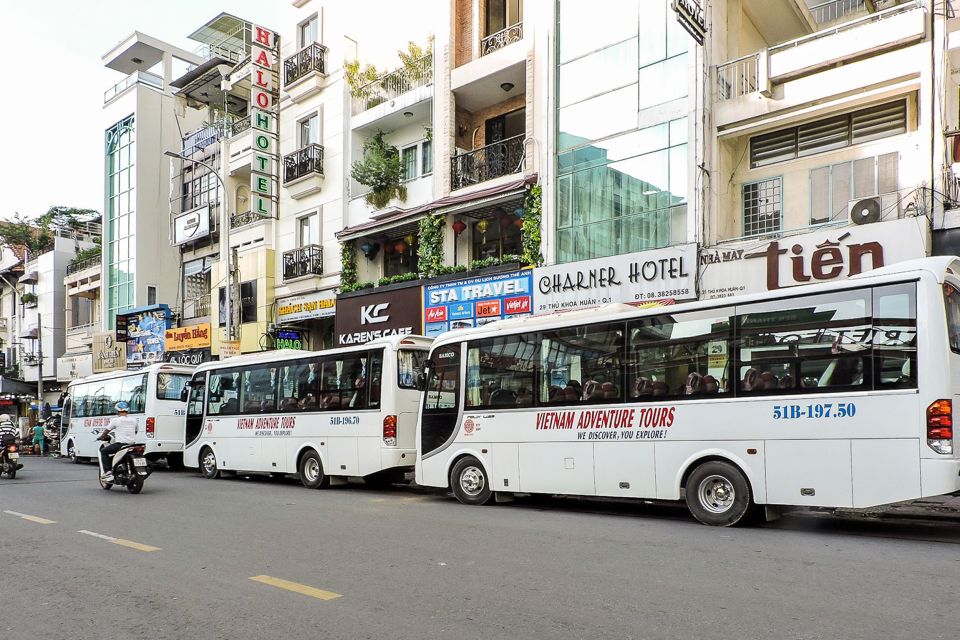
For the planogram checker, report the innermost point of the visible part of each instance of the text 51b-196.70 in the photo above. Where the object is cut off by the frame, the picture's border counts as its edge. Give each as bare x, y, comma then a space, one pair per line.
815, 411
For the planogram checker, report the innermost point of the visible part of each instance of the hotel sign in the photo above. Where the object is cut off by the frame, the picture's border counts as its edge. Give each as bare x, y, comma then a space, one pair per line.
692, 17
264, 111
191, 226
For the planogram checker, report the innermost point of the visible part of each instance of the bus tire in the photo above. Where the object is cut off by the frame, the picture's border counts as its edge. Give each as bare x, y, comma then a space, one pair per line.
311, 471
72, 452
469, 481
208, 463
719, 495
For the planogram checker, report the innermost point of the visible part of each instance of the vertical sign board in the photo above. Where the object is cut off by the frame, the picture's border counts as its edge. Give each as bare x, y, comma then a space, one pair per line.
692, 17
264, 111
476, 301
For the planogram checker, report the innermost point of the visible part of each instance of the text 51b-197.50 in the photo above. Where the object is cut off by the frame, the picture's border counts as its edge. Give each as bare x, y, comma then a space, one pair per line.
814, 411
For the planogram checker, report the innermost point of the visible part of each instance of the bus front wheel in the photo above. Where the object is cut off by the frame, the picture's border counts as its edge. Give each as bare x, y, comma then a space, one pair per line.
311, 471
718, 494
469, 481
208, 463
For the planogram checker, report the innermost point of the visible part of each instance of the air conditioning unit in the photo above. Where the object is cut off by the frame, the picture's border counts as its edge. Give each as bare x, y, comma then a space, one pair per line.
885, 206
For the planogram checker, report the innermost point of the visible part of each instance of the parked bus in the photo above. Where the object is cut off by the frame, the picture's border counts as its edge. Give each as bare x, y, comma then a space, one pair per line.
824, 395
327, 416
157, 401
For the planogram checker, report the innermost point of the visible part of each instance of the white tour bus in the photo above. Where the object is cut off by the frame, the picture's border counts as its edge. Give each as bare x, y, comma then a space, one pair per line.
156, 397
825, 395
328, 415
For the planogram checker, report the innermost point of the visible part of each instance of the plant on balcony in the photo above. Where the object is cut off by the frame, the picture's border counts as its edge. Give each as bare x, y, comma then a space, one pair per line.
530, 234
348, 267
85, 254
400, 277
28, 298
359, 78
381, 171
413, 69
450, 268
430, 249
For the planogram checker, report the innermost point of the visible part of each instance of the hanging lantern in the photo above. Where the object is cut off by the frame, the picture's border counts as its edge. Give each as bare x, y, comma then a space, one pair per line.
458, 227
370, 249
410, 239
400, 246
388, 248
506, 221
482, 228
518, 223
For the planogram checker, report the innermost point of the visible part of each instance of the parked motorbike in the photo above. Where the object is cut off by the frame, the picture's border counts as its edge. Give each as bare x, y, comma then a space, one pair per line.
51, 431
10, 459
130, 468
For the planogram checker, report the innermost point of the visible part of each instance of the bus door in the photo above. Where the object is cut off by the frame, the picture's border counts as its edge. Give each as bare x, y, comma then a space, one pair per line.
441, 401
194, 418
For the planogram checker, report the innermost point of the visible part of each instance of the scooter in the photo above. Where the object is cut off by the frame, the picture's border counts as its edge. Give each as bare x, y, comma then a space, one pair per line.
130, 468
10, 459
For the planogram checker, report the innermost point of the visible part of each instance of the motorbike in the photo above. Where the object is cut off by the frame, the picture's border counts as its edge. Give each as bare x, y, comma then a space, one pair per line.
130, 468
51, 431
10, 459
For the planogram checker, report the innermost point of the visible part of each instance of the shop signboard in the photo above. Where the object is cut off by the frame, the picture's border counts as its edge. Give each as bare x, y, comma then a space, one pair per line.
229, 349
769, 264
74, 367
288, 339
184, 338
373, 315
473, 302
146, 330
322, 304
657, 274
191, 357
192, 226
109, 354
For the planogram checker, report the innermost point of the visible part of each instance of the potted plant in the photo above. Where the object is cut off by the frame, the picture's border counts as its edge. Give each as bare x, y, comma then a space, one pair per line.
29, 299
380, 170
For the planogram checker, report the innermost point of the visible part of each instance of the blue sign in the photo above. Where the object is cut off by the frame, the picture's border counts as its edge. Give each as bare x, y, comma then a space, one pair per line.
145, 334
476, 301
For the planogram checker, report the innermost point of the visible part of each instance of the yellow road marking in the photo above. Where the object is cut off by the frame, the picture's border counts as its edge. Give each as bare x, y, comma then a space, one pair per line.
36, 519
124, 543
296, 587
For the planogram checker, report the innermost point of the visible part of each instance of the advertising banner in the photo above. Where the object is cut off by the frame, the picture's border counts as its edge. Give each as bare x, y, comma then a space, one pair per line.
634, 277
322, 304
145, 335
108, 353
192, 226
472, 302
366, 317
183, 338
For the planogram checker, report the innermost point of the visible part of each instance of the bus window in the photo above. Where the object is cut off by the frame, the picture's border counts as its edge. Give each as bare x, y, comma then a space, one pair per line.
409, 367
223, 397
343, 382
194, 421
951, 298
500, 372
170, 385
299, 385
134, 392
582, 365
375, 374
895, 336
439, 419
259, 389
679, 355
79, 394
814, 343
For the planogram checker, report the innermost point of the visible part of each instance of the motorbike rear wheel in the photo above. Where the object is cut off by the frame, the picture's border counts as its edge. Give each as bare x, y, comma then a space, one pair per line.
136, 485
12, 472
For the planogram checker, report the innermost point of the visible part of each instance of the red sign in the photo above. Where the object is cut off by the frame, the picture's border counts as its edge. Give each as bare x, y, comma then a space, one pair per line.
437, 314
517, 305
488, 309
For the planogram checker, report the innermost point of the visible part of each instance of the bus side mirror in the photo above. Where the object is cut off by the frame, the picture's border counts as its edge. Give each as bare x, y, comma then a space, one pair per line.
421, 381
185, 393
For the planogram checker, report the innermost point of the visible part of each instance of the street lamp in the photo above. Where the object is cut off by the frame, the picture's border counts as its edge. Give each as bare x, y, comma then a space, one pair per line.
224, 229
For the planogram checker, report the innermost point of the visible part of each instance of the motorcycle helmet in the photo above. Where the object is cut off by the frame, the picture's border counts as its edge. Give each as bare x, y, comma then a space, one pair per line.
122, 406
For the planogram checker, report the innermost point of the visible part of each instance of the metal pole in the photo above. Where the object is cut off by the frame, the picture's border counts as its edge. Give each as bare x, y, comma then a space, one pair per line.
39, 362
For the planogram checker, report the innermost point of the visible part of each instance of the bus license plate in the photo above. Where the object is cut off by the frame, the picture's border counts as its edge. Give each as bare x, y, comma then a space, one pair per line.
139, 462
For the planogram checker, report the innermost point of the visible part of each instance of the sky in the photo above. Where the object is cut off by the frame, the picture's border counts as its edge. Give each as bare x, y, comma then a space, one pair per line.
53, 125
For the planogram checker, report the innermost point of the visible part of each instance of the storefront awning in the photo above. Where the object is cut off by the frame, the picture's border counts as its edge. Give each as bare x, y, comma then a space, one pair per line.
9, 386
449, 204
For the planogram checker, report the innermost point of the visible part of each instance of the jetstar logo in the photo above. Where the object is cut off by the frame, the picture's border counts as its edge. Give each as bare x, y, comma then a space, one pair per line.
436, 314
374, 313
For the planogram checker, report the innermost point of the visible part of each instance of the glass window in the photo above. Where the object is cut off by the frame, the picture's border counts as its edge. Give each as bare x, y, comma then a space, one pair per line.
79, 393
497, 240
408, 163
582, 365
258, 389
197, 388
343, 382
308, 31
134, 392
309, 130
762, 206
895, 336
814, 343
299, 386
248, 303
170, 385
599, 72
307, 230
584, 29
223, 397
410, 367
663, 81
443, 380
501, 372
426, 150
951, 299
679, 356
598, 117
397, 262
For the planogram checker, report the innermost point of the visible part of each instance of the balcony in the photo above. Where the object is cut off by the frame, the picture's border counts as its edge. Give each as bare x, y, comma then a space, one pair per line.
81, 332
301, 262
495, 160
836, 10
196, 307
393, 85
305, 71
245, 218
239, 126
739, 77
303, 170
500, 39
135, 78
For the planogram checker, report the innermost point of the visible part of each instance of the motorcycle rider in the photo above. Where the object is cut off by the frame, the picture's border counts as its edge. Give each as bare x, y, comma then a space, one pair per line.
124, 430
8, 434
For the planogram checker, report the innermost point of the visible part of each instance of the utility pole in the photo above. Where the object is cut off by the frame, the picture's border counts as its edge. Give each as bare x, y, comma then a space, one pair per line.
39, 363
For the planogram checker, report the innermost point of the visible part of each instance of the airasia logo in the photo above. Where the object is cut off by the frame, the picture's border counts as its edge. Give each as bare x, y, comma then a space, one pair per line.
436, 314
517, 305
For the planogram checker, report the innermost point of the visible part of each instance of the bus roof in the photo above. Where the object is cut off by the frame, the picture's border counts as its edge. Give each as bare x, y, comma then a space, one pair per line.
938, 267
159, 367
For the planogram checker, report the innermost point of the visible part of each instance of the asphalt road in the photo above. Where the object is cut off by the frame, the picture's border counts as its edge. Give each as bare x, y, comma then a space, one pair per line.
363, 563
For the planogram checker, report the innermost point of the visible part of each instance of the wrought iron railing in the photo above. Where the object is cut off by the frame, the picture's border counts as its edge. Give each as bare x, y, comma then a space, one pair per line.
738, 77
834, 10
390, 85
198, 307
312, 57
201, 138
74, 267
304, 261
137, 77
239, 126
303, 162
486, 163
244, 218
502, 38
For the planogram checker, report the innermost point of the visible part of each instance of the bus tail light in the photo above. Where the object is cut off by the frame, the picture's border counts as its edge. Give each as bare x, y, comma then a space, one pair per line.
151, 427
940, 426
390, 431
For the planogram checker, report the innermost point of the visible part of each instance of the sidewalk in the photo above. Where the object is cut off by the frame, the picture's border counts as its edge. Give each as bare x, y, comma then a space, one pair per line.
940, 508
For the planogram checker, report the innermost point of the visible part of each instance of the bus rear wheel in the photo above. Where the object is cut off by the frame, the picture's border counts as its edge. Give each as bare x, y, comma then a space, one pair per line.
718, 494
311, 471
469, 482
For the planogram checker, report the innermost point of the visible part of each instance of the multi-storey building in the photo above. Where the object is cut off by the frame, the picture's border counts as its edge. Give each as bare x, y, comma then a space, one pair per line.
82, 311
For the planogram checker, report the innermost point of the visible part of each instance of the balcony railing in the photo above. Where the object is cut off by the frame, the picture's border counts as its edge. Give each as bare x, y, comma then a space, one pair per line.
305, 261
390, 85
303, 162
836, 9
738, 77
244, 218
486, 163
312, 57
81, 329
500, 39
239, 126
846, 26
74, 267
137, 77
197, 307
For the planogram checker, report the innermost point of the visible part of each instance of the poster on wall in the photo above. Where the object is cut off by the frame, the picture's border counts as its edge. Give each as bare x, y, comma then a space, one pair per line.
473, 302
146, 330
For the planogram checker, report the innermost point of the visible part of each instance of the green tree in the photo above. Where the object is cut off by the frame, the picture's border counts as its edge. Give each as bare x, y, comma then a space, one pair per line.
380, 170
